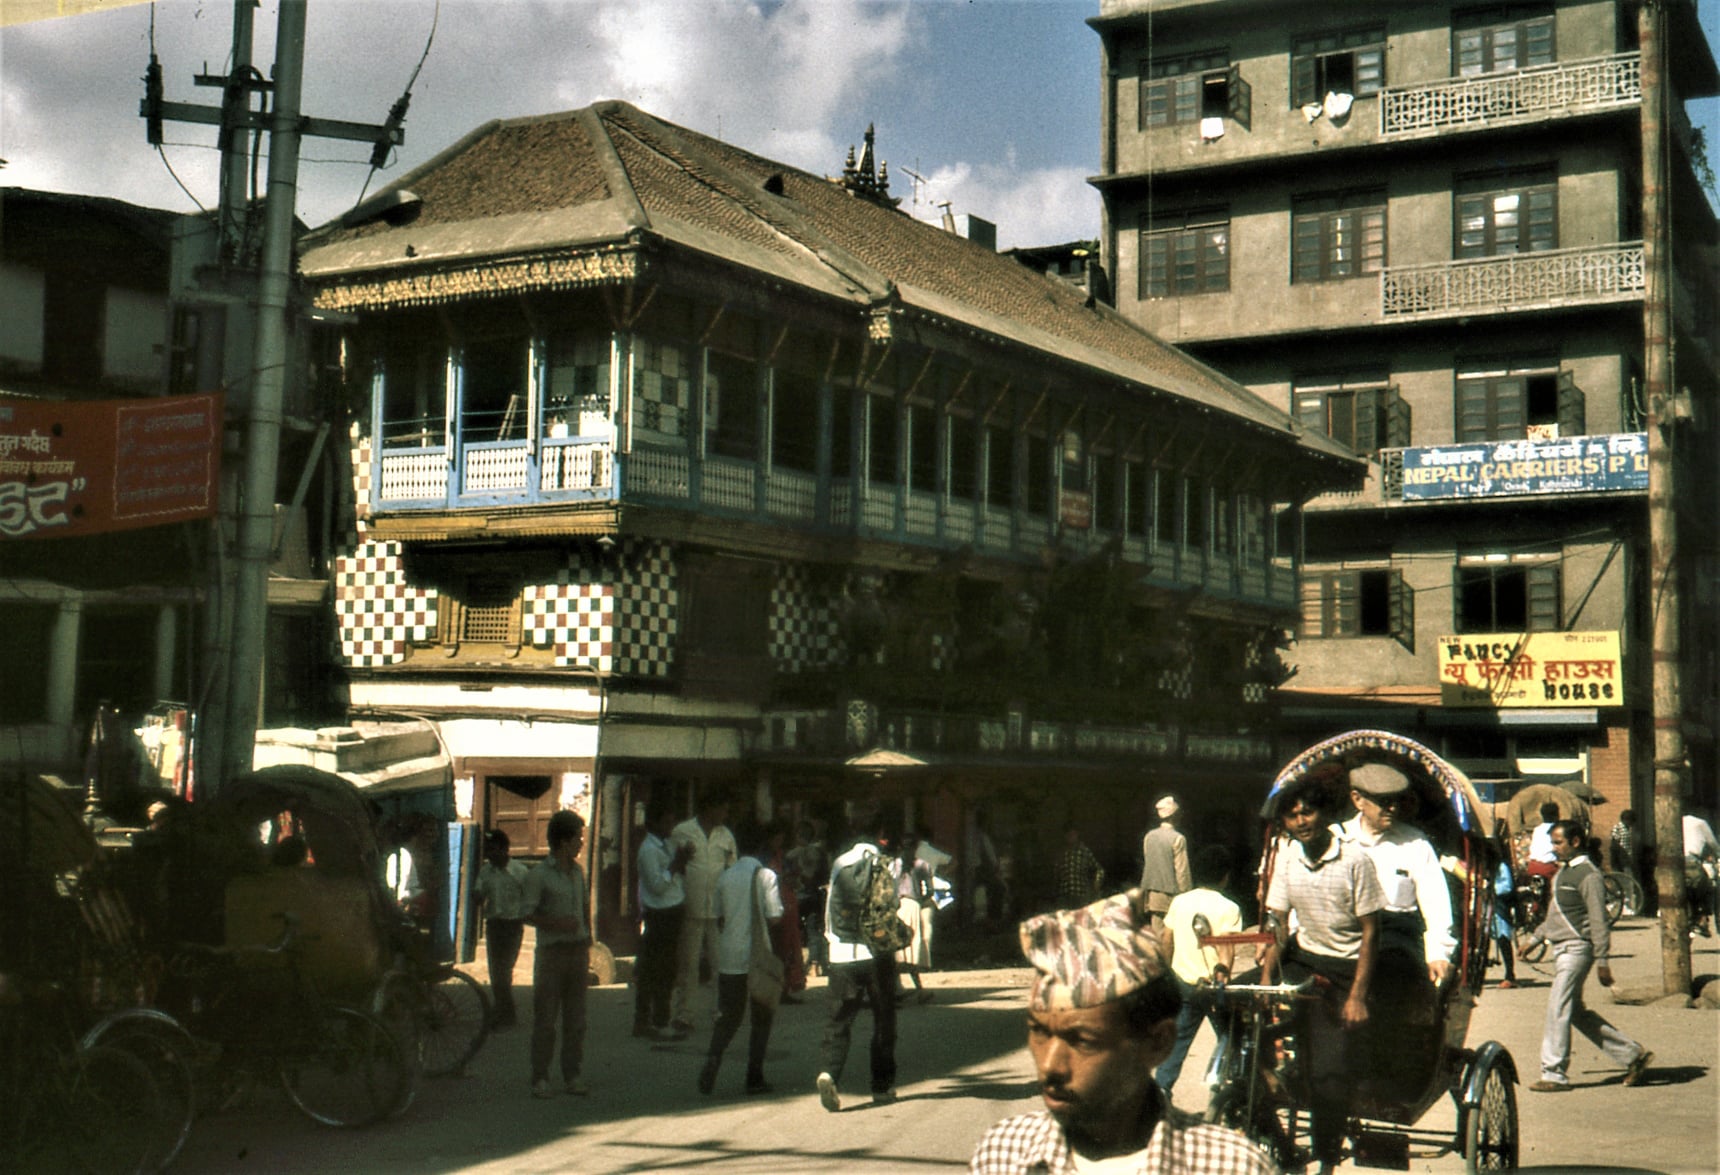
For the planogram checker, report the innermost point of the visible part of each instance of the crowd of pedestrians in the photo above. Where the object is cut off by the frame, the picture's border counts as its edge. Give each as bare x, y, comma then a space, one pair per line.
1122, 983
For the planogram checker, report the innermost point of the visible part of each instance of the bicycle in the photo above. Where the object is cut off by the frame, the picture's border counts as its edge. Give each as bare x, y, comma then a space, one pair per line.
439, 1013
166, 1050
72, 1107
1623, 892
338, 1065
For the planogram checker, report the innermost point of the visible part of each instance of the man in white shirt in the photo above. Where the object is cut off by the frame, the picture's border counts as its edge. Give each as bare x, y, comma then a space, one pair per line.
1701, 852
1417, 917
712, 850
745, 889
858, 978
1197, 969
1541, 860
662, 908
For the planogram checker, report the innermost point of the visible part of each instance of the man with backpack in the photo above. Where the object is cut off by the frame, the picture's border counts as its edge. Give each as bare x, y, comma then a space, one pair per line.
864, 931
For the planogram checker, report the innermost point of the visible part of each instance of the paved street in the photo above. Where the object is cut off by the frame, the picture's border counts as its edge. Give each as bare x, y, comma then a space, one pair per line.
962, 1067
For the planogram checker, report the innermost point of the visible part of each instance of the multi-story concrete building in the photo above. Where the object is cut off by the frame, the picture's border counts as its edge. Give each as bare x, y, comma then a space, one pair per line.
87, 620
675, 466
1418, 227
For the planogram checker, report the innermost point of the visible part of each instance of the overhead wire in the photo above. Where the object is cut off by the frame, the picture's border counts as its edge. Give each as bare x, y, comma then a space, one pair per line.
160, 148
397, 113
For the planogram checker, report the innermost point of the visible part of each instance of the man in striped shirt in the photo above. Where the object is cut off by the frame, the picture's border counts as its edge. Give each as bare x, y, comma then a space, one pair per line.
1332, 888
1101, 1016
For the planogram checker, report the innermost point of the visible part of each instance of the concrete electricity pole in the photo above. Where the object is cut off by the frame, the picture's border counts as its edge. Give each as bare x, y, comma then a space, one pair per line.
1670, 765
227, 719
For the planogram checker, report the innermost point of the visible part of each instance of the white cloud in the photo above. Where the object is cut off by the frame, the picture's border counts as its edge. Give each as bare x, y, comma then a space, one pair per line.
795, 80
1045, 206
775, 79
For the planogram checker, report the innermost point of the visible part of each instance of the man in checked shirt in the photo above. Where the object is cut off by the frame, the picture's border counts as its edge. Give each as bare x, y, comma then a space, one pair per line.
1100, 1017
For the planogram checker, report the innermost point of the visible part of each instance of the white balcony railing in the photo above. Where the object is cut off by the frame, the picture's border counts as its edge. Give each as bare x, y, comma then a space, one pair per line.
791, 495
413, 475
1518, 95
1521, 281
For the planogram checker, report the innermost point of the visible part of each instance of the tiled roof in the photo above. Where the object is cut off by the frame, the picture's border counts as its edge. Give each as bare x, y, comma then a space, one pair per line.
557, 185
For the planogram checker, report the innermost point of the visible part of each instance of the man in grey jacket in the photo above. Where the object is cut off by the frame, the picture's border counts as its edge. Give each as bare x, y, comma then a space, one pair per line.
1164, 862
1576, 928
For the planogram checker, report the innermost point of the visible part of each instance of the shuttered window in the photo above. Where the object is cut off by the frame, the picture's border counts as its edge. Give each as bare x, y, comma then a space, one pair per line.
1358, 602
1186, 255
1352, 62
1338, 236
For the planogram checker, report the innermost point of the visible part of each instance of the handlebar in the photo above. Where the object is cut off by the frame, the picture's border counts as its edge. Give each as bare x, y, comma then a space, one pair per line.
289, 935
1262, 993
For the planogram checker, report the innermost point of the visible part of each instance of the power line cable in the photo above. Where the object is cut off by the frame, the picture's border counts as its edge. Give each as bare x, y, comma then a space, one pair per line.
397, 112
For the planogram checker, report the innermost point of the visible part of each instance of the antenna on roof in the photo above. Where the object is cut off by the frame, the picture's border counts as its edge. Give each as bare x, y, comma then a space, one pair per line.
919, 182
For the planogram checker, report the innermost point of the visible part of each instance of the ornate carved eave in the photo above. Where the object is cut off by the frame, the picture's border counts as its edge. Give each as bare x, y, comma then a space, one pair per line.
487, 279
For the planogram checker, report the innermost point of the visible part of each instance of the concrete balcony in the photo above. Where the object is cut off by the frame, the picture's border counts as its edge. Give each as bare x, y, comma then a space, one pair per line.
1540, 92
1521, 281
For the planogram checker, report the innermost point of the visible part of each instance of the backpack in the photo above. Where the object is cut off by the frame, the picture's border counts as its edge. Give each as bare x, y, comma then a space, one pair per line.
865, 907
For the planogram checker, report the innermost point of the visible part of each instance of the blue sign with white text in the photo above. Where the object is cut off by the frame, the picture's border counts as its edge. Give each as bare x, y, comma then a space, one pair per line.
1497, 469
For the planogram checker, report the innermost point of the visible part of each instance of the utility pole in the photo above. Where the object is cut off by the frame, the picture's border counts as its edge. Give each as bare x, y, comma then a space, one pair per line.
227, 716
1670, 763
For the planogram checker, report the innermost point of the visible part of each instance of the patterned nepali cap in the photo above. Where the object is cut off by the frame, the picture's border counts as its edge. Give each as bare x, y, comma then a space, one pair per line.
1091, 956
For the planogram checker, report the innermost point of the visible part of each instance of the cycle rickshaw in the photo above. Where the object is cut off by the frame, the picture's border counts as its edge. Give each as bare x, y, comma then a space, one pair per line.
1256, 1075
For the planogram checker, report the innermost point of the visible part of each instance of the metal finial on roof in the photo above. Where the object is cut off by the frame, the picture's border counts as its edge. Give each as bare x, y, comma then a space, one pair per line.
863, 178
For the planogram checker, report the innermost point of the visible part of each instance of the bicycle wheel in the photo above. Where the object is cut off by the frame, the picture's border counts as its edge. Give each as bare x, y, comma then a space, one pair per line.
1490, 1128
1612, 890
457, 1021
348, 1071
99, 1113
165, 1050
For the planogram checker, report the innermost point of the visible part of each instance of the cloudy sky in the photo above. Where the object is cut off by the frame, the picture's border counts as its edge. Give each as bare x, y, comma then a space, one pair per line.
992, 103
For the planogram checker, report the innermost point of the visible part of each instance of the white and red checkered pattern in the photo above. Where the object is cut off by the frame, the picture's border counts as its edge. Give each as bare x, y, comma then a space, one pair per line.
378, 614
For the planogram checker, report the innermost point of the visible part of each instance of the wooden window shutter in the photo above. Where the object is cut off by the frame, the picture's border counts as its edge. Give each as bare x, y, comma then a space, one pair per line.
1397, 411
1367, 409
1313, 605
1571, 407
1241, 98
1543, 603
1304, 88
1401, 611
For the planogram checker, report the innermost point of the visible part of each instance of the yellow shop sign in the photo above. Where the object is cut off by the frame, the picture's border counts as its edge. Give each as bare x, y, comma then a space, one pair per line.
1539, 669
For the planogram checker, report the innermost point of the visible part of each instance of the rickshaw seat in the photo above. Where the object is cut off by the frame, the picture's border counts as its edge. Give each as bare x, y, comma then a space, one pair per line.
340, 949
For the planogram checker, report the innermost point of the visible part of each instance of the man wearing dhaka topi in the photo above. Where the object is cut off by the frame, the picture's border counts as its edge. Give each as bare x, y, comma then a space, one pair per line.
1101, 1015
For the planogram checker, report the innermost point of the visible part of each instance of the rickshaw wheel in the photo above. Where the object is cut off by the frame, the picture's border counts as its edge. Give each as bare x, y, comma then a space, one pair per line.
350, 1072
164, 1049
602, 966
456, 1023
1490, 1126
